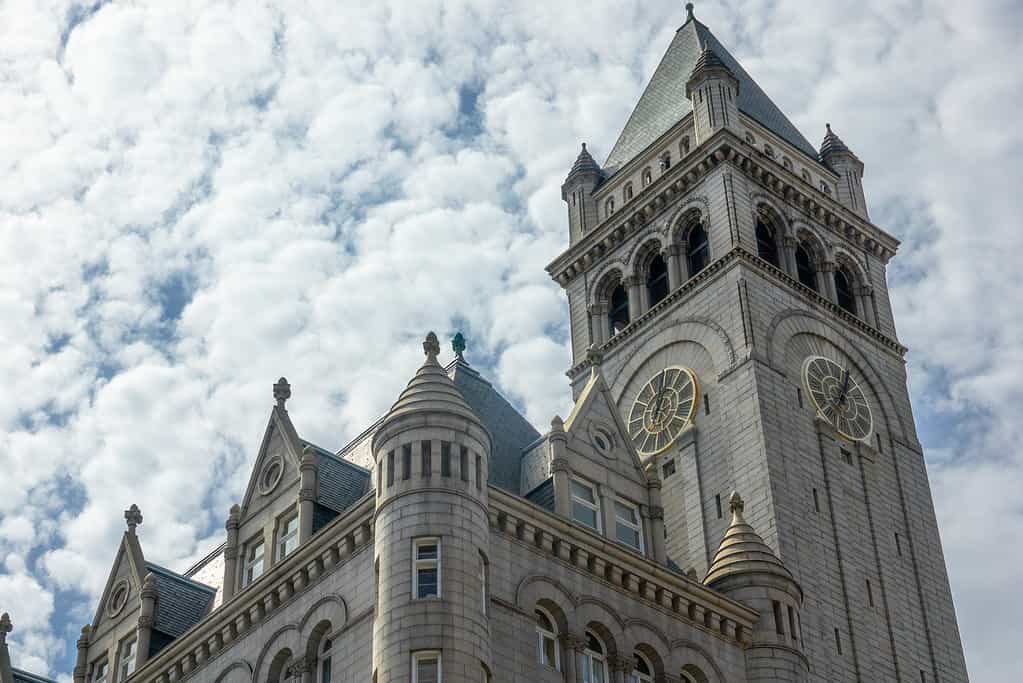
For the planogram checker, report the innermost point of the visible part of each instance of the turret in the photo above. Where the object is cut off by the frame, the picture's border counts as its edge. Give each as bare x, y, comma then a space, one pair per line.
432, 539
839, 158
747, 570
714, 91
577, 191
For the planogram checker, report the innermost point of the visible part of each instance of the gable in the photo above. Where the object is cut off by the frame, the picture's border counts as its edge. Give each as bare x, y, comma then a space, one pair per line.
276, 465
120, 598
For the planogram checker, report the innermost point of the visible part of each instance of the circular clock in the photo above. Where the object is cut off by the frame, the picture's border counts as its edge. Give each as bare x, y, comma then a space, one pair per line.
837, 397
662, 410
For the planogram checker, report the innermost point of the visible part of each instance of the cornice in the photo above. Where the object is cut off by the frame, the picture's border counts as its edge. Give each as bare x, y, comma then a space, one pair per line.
717, 268
723, 146
624, 570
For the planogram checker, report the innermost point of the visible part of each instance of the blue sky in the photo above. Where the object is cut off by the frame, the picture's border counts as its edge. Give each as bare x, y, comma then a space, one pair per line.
201, 196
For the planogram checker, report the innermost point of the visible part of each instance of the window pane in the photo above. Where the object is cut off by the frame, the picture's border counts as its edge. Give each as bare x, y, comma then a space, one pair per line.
426, 669
583, 491
427, 583
548, 652
625, 513
543, 622
427, 551
583, 514
627, 536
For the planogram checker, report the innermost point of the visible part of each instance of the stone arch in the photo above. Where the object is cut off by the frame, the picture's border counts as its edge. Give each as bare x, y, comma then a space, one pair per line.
606, 634
813, 241
690, 214
607, 279
642, 253
235, 672
692, 659
852, 265
330, 608
286, 639
765, 208
790, 323
277, 666
767, 215
550, 594
592, 612
651, 641
652, 656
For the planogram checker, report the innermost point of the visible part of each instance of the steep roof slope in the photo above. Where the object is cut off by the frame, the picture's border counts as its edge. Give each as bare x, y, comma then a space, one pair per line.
664, 102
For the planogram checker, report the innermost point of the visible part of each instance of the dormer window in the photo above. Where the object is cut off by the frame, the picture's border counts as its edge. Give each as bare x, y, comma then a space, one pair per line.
287, 537
585, 504
627, 193
253, 561
628, 525
609, 207
648, 177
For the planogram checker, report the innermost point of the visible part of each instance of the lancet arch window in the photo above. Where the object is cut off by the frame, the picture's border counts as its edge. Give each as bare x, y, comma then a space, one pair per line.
647, 177
618, 309
594, 660
845, 295
697, 249
805, 269
767, 244
657, 280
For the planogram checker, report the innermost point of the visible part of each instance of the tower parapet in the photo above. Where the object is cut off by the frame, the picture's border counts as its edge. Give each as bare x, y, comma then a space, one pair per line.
432, 540
746, 569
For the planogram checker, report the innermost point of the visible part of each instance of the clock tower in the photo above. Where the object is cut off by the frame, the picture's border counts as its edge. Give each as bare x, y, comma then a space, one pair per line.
724, 277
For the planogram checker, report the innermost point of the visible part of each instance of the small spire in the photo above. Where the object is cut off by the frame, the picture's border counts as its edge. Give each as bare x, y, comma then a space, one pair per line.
557, 424
282, 392
736, 505
431, 347
133, 516
689, 11
5, 626
458, 345
828, 126
584, 146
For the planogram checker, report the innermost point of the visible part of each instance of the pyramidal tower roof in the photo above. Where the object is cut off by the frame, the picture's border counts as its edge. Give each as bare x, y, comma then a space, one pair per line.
664, 102
743, 551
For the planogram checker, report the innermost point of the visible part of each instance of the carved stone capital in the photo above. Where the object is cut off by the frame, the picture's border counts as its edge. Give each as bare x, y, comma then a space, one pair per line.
656, 512
573, 642
828, 266
146, 621
673, 250
790, 241
300, 666
632, 281
307, 494
621, 663
561, 465
597, 308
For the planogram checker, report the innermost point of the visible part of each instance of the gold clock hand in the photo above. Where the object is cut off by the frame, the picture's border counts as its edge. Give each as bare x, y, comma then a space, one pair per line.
660, 394
845, 388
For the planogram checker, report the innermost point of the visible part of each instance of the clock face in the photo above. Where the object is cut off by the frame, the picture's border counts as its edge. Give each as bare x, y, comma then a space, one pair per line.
663, 409
837, 397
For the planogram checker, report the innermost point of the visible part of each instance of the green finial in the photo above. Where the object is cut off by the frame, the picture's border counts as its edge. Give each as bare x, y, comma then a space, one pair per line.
458, 345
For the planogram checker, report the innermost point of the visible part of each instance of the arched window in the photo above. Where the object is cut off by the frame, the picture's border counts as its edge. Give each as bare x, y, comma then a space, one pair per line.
697, 251
844, 290
642, 672
618, 309
323, 664
547, 640
648, 177
609, 207
665, 161
683, 147
804, 268
594, 660
628, 192
767, 247
657, 279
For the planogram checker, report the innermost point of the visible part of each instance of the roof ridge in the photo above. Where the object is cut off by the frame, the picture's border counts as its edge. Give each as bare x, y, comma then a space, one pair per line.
171, 574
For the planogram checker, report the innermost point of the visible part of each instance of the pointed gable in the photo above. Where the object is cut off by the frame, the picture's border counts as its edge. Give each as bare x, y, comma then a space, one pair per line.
596, 426
664, 102
281, 444
127, 573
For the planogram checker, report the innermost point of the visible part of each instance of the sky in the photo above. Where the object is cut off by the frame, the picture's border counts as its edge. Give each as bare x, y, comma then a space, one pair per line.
199, 196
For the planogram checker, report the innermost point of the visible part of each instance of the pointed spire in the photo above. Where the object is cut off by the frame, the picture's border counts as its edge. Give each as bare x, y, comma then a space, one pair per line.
742, 550
584, 163
689, 12
832, 144
133, 516
709, 60
282, 392
431, 390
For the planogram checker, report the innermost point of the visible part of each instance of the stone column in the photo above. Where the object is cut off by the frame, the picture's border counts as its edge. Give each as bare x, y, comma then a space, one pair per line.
789, 243
147, 612
621, 667
826, 279
598, 323
303, 670
865, 302
632, 287
656, 548
231, 553
571, 646
607, 510
560, 469
672, 255
307, 494
81, 661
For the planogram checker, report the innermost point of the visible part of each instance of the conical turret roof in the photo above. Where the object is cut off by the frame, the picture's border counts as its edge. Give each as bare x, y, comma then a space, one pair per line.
743, 551
833, 144
584, 163
708, 60
431, 390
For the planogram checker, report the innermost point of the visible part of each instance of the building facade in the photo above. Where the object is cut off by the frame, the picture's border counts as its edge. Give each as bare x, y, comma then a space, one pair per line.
738, 494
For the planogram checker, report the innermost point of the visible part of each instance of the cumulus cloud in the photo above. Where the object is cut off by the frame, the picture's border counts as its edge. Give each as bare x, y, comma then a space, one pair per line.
201, 196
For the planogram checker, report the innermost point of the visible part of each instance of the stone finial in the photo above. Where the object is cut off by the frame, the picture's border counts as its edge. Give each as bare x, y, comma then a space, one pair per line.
5, 626
282, 392
594, 356
557, 424
736, 504
149, 586
431, 347
458, 345
133, 516
689, 11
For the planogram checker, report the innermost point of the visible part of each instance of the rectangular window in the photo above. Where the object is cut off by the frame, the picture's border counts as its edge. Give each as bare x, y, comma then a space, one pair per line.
870, 594
390, 468
426, 567
848, 456
445, 459
669, 468
585, 505
463, 464
779, 626
816, 502
406, 461
717, 504
792, 622
898, 544
287, 537
127, 665
99, 671
838, 641
628, 525
706, 404
484, 583
799, 396
253, 562
426, 667
479, 473
427, 458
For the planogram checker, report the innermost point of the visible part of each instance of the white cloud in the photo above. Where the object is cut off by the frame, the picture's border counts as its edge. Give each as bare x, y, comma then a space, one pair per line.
303, 171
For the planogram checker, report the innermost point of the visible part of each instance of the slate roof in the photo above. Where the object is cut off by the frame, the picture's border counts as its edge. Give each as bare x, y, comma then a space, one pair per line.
511, 433
181, 602
543, 495
342, 483
664, 102
21, 676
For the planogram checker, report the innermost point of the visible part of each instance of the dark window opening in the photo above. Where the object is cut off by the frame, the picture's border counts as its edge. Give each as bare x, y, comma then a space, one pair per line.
870, 594
804, 268
792, 623
799, 396
898, 544
479, 473
779, 626
838, 641
847, 456
390, 467
816, 502
406, 461
697, 251
717, 503
844, 291
767, 247
879, 448
669, 468
618, 310
427, 457
463, 465
657, 280
445, 459
706, 404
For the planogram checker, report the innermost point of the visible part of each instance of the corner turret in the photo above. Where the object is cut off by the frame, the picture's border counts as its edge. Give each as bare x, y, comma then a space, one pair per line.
839, 158
747, 570
577, 191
